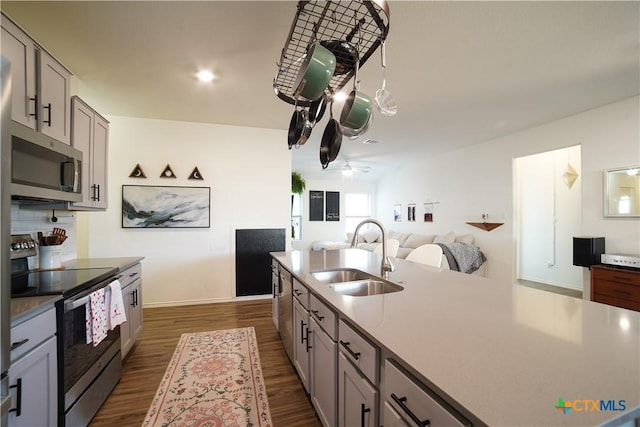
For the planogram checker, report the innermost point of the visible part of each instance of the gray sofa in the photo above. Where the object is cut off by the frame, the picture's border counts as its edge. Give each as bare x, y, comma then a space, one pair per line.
369, 240
408, 241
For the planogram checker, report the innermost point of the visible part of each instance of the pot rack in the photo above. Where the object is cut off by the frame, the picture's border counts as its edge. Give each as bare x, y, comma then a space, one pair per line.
364, 23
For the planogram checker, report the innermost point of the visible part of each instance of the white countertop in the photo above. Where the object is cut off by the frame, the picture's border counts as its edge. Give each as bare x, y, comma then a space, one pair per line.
504, 353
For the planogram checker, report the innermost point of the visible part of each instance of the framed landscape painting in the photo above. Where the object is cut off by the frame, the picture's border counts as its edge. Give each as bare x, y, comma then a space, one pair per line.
149, 206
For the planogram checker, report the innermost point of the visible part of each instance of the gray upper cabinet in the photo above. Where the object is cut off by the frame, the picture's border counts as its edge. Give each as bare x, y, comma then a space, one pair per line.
41, 86
90, 134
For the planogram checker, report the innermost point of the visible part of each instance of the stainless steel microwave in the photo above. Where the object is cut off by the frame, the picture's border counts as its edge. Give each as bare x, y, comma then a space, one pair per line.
43, 168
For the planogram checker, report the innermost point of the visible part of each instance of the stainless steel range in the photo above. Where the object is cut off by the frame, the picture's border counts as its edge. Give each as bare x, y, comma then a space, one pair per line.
86, 373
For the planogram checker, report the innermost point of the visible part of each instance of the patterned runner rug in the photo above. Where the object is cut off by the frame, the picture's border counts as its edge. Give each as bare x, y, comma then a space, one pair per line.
213, 379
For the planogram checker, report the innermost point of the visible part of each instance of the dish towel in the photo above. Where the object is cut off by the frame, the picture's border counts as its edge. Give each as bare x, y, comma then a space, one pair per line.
96, 318
117, 315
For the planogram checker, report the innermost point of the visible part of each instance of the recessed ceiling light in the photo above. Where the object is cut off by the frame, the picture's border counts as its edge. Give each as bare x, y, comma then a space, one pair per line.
205, 76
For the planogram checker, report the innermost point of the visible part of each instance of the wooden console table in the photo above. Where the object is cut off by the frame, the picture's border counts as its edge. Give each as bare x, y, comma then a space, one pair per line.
615, 286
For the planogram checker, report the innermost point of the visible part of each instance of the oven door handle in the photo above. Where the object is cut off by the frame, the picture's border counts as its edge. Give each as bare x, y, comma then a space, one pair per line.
84, 300
68, 306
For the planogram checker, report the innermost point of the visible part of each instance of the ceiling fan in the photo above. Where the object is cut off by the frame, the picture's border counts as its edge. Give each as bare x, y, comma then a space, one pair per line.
348, 169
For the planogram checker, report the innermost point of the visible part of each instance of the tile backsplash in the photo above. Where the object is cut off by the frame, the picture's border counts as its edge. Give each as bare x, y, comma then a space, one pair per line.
31, 221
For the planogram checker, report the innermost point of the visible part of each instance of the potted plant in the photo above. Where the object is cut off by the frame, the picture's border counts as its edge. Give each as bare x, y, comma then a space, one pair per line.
298, 184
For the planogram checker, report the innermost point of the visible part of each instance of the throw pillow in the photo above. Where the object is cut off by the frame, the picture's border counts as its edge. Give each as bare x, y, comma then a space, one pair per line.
415, 240
445, 238
465, 238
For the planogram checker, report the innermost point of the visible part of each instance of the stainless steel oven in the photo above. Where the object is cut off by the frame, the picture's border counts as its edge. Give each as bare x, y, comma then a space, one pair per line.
88, 373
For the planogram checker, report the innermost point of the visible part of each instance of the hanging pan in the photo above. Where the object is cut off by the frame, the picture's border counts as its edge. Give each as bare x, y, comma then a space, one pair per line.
331, 141
296, 127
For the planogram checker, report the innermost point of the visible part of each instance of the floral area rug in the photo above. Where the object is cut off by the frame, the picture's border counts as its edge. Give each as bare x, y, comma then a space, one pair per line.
213, 379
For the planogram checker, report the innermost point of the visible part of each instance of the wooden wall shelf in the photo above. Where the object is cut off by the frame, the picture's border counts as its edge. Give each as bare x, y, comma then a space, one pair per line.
486, 226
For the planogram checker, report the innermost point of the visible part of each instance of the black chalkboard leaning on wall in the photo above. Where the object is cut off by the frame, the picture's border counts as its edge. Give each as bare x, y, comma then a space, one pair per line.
316, 205
333, 206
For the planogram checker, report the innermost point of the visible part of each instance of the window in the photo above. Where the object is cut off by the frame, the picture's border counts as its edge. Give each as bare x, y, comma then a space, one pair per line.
357, 208
296, 216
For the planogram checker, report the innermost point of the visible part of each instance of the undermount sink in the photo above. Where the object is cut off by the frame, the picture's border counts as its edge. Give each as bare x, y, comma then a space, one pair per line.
349, 281
341, 275
365, 288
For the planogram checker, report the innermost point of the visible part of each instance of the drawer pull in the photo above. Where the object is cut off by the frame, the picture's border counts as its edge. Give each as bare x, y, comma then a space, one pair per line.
621, 291
133, 274
297, 292
400, 401
363, 412
351, 352
18, 387
315, 312
18, 344
623, 278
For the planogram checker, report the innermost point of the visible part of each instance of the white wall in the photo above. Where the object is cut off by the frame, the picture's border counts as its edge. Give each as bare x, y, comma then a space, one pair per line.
548, 215
330, 230
479, 179
248, 171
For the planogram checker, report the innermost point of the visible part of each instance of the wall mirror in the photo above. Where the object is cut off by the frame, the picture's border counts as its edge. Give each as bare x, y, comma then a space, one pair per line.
622, 192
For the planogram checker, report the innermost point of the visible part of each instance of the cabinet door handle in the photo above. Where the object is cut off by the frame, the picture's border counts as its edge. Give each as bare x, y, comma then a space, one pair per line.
315, 312
133, 298
400, 401
98, 192
135, 295
35, 107
302, 334
297, 292
351, 352
363, 412
18, 387
308, 346
48, 108
18, 344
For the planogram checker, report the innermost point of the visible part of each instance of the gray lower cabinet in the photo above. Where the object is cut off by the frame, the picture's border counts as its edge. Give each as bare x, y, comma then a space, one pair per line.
358, 399
358, 379
323, 391
33, 376
131, 282
301, 347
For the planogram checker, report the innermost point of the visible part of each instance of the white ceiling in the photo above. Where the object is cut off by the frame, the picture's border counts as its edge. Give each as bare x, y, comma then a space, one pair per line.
461, 72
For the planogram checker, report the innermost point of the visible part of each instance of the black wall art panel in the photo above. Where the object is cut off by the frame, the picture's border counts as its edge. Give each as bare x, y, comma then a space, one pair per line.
316, 205
333, 206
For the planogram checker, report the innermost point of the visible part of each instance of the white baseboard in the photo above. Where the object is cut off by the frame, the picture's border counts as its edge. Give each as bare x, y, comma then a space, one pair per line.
205, 301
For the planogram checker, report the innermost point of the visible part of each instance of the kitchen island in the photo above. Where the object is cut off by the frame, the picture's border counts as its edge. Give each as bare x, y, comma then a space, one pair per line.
499, 354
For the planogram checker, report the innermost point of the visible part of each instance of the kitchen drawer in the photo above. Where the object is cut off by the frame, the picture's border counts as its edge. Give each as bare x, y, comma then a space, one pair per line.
391, 417
412, 402
129, 275
617, 302
364, 355
32, 332
618, 290
301, 292
618, 275
325, 317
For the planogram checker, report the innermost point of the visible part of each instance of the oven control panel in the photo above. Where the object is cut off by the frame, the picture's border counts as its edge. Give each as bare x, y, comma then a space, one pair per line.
22, 245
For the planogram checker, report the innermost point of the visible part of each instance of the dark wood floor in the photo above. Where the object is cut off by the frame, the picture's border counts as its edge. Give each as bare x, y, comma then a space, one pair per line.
144, 366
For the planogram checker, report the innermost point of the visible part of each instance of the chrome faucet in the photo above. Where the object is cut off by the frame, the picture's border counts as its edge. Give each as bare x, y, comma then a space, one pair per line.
386, 267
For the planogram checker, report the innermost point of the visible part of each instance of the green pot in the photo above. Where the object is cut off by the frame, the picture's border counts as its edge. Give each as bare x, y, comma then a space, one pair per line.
356, 110
315, 73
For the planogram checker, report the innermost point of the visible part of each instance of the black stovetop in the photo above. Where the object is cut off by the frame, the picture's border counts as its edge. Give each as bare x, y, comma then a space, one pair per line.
57, 282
